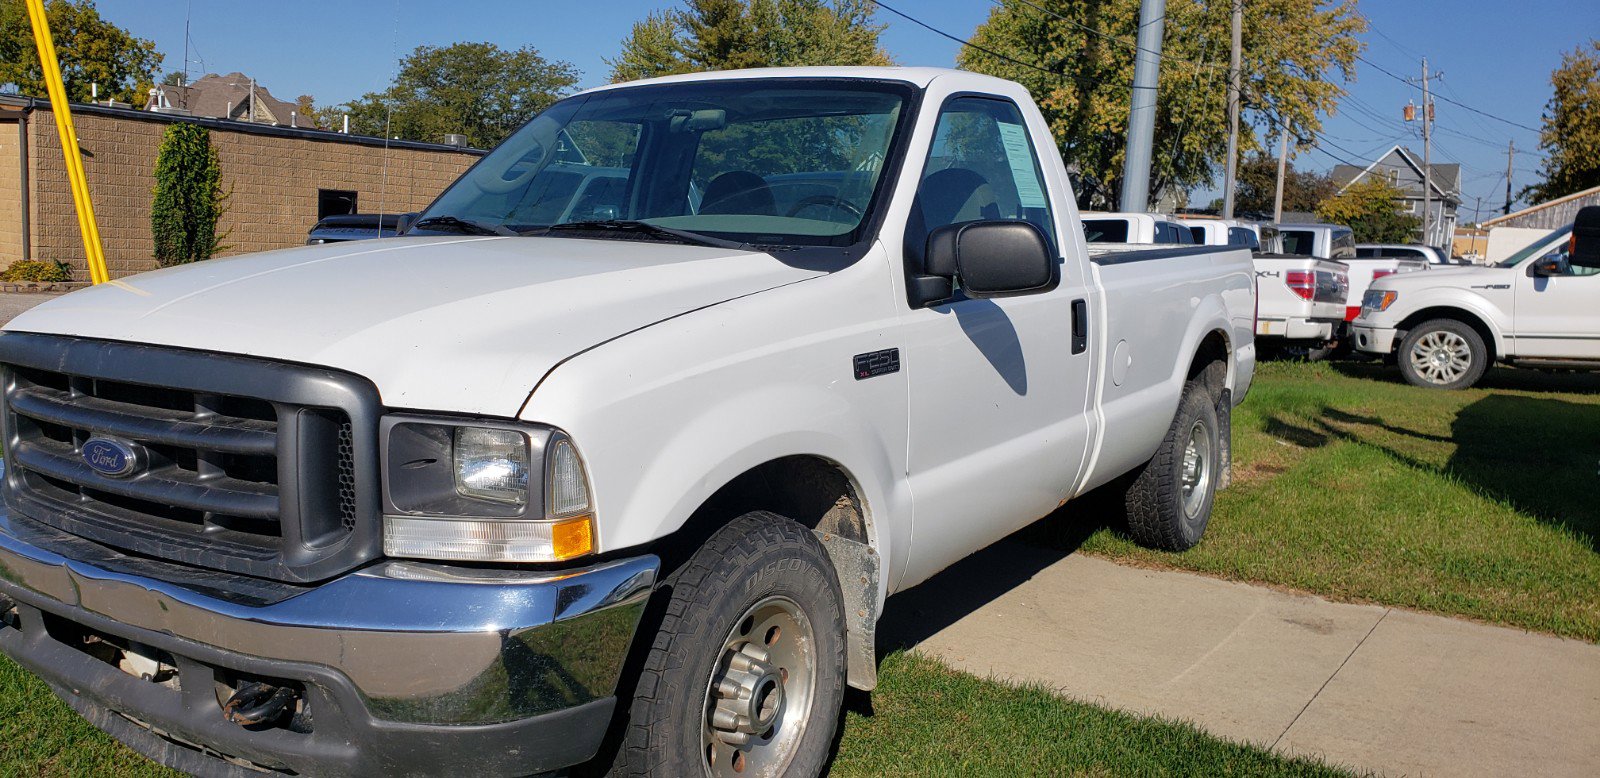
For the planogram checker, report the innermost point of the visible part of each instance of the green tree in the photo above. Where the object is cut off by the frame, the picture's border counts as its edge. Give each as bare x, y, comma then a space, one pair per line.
188, 198
1258, 187
731, 34
91, 49
474, 89
1293, 49
1571, 134
1371, 208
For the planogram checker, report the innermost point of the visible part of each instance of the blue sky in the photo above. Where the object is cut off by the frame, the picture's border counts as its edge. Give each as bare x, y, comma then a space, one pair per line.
1496, 56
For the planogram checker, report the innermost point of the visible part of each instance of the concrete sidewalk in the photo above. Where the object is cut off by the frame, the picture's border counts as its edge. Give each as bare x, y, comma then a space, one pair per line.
1367, 687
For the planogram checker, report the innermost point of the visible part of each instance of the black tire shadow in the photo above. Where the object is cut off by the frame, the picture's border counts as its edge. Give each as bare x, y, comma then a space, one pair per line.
1497, 377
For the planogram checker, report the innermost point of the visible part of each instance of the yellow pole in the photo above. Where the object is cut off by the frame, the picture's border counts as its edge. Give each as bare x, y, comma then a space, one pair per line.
69, 142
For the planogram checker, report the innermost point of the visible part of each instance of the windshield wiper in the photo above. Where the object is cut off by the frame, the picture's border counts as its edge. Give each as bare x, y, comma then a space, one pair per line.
464, 226
635, 228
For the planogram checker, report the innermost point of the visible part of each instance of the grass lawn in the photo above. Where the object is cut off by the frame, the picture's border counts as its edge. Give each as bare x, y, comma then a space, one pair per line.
1352, 484
925, 719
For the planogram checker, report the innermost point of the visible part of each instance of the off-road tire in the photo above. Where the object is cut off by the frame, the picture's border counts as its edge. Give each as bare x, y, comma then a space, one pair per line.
757, 556
1154, 501
1448, 332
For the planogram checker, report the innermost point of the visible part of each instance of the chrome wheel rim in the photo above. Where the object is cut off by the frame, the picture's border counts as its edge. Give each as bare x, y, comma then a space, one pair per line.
758, 699
1196, 473
1441, 357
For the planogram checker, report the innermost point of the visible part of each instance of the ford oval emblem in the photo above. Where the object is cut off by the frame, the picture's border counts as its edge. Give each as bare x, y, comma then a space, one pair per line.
112, 457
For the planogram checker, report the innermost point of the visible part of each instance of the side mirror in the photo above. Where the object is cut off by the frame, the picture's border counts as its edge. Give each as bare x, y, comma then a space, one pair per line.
993, 258
1545, 267
1585, 249
404, 223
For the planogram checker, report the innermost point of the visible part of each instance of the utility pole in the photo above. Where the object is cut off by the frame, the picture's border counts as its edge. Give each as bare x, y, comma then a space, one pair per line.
1427, 158
1142, 110
1231, 178
1283, 166
1477, 227
1511, 150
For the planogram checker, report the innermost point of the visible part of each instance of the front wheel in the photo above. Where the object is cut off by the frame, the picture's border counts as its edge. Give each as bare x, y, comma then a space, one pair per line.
746, 675
1443, 354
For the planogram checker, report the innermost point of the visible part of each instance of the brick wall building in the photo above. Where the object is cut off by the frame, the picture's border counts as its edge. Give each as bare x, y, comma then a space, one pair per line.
280, 180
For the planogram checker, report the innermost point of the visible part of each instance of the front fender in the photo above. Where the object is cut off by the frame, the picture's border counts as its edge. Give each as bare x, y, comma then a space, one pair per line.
1466, 301
667, 415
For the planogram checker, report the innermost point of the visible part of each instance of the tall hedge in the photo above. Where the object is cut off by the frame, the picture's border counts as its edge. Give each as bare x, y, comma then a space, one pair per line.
188, 196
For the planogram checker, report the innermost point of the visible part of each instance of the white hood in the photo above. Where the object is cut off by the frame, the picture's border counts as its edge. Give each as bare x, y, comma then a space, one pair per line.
451, 324
1457, 277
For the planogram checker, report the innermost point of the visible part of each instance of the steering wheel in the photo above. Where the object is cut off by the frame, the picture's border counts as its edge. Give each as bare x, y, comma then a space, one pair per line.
831, 202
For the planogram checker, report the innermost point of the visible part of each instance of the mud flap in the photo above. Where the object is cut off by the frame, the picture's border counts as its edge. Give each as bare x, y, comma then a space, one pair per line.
857, 564
1225, 437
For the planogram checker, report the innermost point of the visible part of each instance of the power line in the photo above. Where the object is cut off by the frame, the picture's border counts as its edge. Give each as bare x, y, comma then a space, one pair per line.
1457, 103
930, 28
1373, 27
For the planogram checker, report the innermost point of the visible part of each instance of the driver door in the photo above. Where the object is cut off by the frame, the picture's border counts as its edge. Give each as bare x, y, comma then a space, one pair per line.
1558, 316
998, 398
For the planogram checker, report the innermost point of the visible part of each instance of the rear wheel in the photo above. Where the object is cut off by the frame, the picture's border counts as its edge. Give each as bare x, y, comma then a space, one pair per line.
746, 675
1169, 501
1443, 354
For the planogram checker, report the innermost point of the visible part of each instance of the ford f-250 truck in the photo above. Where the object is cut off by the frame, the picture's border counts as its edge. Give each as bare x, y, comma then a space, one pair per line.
1538, 308
513, 493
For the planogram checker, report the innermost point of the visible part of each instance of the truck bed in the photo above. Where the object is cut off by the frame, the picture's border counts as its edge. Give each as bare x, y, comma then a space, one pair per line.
1150, 295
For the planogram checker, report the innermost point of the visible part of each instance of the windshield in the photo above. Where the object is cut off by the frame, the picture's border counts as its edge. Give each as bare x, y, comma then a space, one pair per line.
1549, 244
774, 161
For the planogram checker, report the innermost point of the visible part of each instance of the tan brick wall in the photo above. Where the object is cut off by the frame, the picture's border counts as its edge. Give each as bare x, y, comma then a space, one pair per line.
10, 194
272, 181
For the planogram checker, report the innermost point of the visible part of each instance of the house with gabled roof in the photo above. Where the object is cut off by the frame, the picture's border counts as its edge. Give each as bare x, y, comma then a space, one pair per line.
234, 96
1403, 169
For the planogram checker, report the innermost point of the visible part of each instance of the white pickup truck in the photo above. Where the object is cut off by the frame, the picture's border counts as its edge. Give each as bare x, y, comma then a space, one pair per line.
468, 501
1234, 232
1538, 308
1136, 229
1300, 301
1337, 242
1300, 304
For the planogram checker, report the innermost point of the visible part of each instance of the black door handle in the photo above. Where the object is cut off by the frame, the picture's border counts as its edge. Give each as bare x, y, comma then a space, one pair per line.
1080, 326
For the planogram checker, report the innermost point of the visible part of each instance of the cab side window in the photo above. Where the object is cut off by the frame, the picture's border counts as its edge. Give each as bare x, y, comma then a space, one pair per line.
982, 167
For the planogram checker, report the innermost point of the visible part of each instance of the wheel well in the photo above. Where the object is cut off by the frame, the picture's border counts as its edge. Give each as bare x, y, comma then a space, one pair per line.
1455, 314
1213, 348
811, 490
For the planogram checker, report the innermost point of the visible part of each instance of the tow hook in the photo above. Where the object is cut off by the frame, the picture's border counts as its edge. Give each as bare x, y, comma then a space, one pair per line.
258, 703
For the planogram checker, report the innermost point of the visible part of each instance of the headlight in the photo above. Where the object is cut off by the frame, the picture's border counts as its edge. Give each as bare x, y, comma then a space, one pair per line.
483, 492
1378, 299
491, 464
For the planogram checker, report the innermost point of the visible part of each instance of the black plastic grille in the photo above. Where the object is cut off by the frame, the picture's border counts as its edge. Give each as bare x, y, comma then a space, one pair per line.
347, 476
242, 465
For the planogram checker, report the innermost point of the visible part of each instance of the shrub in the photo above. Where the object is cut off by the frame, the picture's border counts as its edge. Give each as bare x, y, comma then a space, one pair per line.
36, 270
188, 196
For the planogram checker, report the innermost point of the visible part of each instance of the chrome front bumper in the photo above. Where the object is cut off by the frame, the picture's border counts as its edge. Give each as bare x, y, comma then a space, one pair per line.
408, 668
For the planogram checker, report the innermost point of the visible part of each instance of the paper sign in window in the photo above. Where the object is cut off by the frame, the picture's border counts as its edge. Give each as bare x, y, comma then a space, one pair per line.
1020, 157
